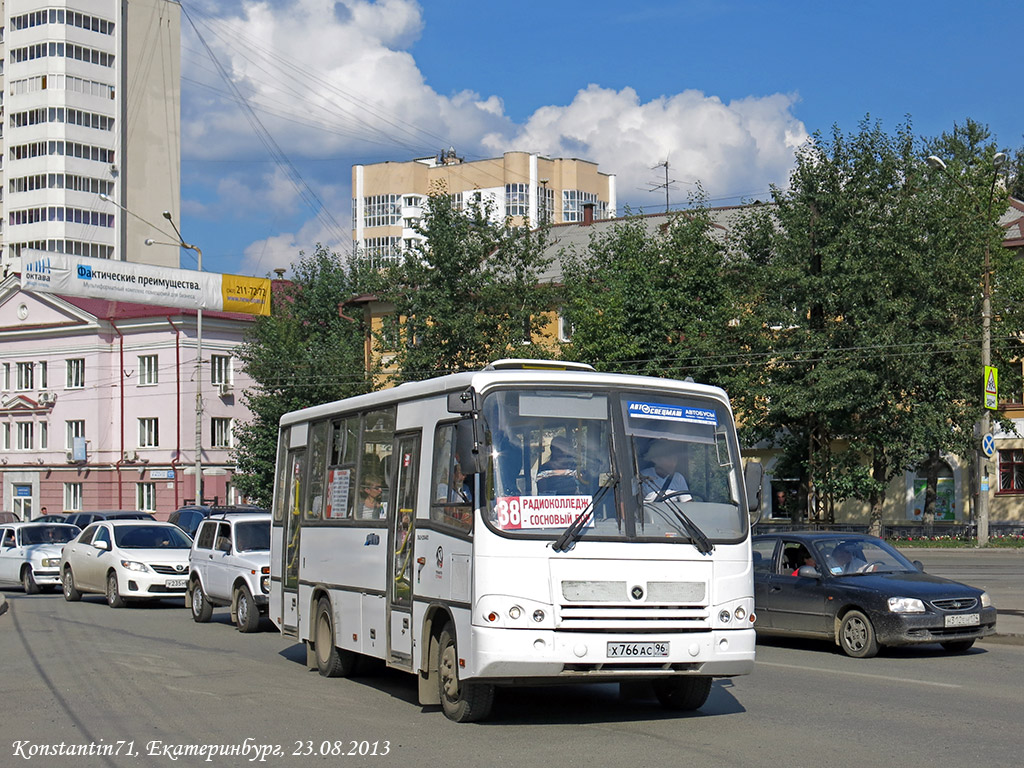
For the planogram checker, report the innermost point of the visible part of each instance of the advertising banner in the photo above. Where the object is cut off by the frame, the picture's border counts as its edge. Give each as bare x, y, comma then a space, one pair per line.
45, 272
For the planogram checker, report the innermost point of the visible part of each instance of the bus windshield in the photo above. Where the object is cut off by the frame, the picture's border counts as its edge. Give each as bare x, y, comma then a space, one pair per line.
641, 465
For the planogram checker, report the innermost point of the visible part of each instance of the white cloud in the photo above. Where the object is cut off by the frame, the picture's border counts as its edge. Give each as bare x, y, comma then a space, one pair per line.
337, 80
732, 149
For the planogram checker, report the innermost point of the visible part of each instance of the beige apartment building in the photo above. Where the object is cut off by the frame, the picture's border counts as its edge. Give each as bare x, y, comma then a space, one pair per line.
90, 95
388, 198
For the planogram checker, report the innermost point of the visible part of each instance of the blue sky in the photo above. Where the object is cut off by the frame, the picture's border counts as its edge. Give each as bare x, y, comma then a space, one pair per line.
725, 91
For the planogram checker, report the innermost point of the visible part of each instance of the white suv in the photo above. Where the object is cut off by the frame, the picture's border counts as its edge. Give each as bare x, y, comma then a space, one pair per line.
230, 565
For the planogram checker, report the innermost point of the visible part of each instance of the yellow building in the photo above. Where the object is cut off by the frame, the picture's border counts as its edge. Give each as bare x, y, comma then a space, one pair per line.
388, 198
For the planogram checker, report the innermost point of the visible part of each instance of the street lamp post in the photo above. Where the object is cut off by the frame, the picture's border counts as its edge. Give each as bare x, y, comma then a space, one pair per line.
985, 423
199, 357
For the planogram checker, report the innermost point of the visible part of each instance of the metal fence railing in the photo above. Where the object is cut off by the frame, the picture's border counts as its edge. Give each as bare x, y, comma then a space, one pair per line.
898, 530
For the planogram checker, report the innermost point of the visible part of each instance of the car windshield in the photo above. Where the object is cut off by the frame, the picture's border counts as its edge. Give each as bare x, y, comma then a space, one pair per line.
47, 534
857, 555
653, 466
151, 537
252, 537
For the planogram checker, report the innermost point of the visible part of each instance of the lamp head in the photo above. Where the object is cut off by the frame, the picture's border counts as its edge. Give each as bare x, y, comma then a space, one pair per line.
935, 162
105, 197
167, 215
998, 160
150, 241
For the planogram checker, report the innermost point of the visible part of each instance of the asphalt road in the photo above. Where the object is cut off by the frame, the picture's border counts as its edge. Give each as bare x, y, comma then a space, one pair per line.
84, 674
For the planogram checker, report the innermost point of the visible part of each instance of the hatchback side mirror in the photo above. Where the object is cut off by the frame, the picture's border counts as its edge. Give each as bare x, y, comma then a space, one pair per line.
104, 545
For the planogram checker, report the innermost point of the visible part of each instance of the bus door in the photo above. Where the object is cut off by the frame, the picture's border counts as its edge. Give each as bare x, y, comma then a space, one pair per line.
290, 550
402, 529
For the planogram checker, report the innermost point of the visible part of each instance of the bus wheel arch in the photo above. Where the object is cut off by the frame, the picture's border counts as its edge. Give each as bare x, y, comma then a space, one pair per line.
331, 661
435, 618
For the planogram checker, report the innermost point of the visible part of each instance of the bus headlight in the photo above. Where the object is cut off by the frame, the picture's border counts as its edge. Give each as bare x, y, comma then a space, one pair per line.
740, 613
724, 616
538, 615
515, 612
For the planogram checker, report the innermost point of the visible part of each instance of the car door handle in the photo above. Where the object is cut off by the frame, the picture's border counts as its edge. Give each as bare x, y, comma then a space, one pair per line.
774, 589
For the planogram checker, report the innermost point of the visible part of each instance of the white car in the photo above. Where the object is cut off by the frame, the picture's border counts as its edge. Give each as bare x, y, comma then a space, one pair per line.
230, 565
30, 554
126, 560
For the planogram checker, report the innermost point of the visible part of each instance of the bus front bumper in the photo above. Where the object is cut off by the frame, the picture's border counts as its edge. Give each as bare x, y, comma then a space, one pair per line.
548, 654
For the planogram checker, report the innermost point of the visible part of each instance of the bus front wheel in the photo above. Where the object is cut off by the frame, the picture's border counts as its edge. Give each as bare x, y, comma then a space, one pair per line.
683, 694
461, 701
331, 661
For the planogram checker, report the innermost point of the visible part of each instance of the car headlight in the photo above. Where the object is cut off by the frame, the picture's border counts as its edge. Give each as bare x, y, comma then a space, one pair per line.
986, 601
50, 562
906, 605
131, 565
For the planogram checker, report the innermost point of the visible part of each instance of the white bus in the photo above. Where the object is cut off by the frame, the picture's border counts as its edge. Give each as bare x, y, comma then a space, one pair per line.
530, 523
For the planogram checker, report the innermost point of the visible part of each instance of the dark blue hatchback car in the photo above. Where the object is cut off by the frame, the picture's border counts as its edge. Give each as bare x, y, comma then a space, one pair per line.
861, 593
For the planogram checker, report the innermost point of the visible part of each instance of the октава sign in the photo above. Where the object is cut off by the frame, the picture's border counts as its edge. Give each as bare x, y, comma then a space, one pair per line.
143, 283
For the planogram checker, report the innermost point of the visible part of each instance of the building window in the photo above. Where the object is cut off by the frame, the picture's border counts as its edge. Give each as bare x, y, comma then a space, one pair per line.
381, 211
220, 369
565, 328
44, 435
26, 434
148, 370
75, 373
74, 429
7, 437
145, 497
43, 382
222, 432
1011, 471
517, 200
7, 376
149, 432
26, 376
573, 201
72, 497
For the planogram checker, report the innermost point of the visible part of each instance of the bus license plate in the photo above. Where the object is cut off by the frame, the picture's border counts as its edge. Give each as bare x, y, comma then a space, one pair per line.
636, 650
176, 583
963, 620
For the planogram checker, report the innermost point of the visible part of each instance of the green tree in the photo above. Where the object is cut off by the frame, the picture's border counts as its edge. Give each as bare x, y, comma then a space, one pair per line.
306, 352
469, 294
652, 300
865, 308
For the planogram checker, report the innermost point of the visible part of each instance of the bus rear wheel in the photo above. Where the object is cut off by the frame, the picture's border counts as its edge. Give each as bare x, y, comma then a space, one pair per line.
331, 661
683, 694
461, 701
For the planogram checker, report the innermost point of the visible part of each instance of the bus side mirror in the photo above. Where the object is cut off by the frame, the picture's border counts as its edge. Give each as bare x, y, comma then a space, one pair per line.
753, 478
467, 401
469, 445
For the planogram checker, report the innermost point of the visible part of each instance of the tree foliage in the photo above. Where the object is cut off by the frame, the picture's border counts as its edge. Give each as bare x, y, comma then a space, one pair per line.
469, 294
306, 352
652, 300
866, 300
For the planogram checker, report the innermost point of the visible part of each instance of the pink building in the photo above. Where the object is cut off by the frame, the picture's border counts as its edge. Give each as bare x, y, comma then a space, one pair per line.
98, 403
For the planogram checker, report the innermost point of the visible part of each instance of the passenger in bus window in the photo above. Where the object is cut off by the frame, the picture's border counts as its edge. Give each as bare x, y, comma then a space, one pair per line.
458, 489
658, 472
557, 475
372, 490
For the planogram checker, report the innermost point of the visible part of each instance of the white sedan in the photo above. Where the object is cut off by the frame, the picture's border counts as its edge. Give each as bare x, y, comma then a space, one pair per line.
126, 560
30, 554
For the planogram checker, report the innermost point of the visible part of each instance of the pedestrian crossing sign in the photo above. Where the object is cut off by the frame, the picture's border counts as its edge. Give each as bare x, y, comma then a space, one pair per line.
991, 387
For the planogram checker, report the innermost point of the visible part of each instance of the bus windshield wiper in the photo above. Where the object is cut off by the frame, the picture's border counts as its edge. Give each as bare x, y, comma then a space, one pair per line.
700, 540
570, 535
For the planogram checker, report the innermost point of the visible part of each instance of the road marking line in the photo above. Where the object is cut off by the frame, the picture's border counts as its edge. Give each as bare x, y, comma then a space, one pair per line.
887, 678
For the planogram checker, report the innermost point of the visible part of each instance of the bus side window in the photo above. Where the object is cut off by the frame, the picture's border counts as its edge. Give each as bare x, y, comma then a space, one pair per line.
451, 500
